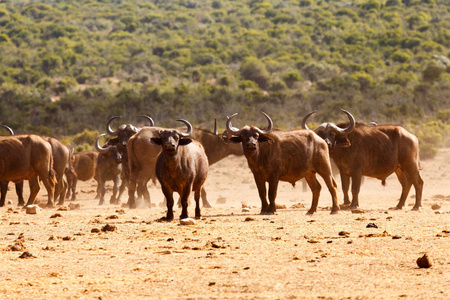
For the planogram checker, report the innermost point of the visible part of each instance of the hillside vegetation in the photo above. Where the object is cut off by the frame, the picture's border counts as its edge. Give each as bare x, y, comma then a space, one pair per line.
66, 66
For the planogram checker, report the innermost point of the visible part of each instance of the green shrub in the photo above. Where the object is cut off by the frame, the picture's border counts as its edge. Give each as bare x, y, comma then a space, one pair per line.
400, 56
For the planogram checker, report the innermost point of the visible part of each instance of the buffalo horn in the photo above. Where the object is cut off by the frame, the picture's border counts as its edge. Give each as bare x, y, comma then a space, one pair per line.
215, 127
98, 147
150, 120
189, 128
232, 130
108, 128
349, 128
304, 126
11, 132
269, 127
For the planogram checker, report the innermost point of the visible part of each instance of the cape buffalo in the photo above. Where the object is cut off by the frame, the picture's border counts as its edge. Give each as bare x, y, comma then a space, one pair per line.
84, 167
27, 157
287, 156
181, 167
375, 151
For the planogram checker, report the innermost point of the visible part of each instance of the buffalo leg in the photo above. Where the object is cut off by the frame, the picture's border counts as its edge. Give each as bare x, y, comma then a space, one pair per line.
406, 187
197, 194
345, 181
74, 188
131, 191
19, 192
4, 190
122, 189
184, 202
169, 198
102, 190
34, 190
113, 199
205, 201
332, 187
412, 171
262, 191
356, 186
273, 187
315, 187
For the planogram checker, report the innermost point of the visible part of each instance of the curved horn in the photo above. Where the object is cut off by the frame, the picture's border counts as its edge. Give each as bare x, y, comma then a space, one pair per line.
232, 130
108, 128
304, 126
11, 132
269, 127
150, 120
215, 127
189, 128
349, 128
98, 147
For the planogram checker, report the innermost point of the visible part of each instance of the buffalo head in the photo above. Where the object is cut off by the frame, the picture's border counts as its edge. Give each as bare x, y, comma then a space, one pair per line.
125, 131
170, 139
111, 150
331, 133
248, 136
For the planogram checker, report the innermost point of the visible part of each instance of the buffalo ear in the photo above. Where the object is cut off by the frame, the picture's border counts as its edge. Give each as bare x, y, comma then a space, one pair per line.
156, 141
263, 138
184, 142
235, 139
343, 142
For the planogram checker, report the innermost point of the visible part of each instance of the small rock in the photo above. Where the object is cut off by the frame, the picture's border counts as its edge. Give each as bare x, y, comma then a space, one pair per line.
55, 215
280, 206
112, 217
249, 219
9, 202
108, 227
246, 209
73, 206
357, 211
33, 209
424, 261
27, 254
371, 225
344, 233
63, 208
221, 200
95, 230
396, 237
187, 221
438, 212
435, 207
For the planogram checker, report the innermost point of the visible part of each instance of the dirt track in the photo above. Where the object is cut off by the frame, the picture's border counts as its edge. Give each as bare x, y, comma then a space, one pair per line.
230, 254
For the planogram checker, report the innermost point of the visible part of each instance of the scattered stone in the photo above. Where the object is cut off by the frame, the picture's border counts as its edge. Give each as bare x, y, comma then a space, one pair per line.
55, 215
245, 209
52, 238
357, 211
221, 200
63, 208
9, 202
311, 221
27, 254
112, 217
249, 219
361, 219
344, 233
313, 241
245, 205
371, 225
73, 206
211, 283
280, 206
396, 237
95, 230
424, 261
438, 212
435, 207
33, 209
120, 211
68, 238
298, 205
187, 221
18, 246
108, 227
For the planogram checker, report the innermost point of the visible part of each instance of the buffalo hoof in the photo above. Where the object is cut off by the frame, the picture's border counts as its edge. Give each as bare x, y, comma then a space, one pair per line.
345, 206
415, 208
334, 212
60, 203
101, 203
206, 204
50, 205
398, 207
183, 216
267, 213
354, 207
310, 212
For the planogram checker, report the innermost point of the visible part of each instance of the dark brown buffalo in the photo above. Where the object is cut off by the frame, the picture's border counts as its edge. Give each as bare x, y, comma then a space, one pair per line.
181, 167
375, 151
142, 155
27, 157
109, 167
4, 184
84, 167
286, 156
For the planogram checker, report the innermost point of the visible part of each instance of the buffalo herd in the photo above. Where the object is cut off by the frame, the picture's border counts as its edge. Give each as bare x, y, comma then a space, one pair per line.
179, 160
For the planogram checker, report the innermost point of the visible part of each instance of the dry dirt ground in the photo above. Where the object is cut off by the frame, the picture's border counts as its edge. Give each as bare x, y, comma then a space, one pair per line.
231, 254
